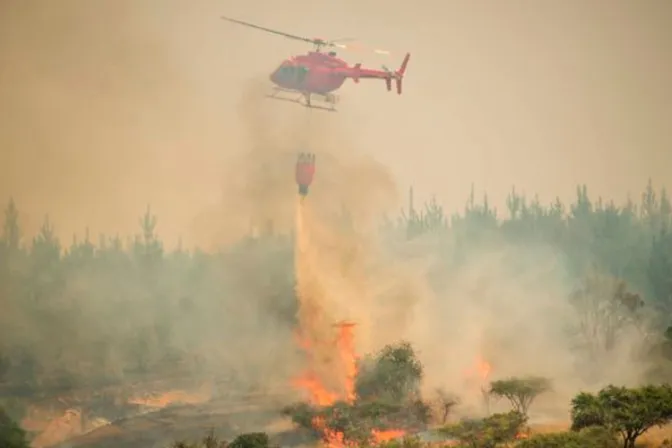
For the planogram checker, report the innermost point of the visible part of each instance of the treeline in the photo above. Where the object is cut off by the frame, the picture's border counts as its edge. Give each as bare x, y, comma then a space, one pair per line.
107, 307
92, 312
631, 242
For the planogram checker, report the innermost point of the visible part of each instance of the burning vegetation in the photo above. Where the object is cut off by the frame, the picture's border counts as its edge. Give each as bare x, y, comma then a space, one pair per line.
381, 401
349, 400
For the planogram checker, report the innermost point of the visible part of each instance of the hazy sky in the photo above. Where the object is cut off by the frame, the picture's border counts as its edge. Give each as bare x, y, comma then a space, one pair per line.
106, 106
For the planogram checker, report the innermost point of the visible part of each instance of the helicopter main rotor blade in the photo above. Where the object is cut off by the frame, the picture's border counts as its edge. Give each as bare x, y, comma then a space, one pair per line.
269, 30
358, 47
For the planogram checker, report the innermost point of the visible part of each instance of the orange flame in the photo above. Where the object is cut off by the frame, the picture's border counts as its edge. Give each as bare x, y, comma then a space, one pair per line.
314, 384
481, 371
318, 394
346, 346
384, 436
484, 369
329, 377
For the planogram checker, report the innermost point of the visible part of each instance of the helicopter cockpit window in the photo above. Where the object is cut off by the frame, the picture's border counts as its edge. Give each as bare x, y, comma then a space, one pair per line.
301, 73
292, 73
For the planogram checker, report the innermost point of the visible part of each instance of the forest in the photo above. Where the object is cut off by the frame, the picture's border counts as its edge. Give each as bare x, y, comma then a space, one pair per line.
104, 309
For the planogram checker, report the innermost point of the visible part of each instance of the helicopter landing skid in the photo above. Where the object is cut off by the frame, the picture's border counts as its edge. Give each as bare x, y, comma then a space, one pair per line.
305, 99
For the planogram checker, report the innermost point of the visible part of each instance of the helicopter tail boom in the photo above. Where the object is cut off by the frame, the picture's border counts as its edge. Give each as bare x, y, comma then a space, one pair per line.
356, 72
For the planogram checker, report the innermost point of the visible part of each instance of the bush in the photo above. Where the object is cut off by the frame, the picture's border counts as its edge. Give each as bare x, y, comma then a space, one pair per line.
388, 397
405, 442
11, 434
251, 440
586, 438
394, 375
246, 440
496, 430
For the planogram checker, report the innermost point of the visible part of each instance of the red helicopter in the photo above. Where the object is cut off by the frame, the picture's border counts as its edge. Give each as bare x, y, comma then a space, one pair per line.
318, 74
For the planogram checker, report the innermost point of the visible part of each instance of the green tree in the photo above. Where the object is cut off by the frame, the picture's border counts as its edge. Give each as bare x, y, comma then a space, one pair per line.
659, 268
11, 434
393, 375
251, 440
630, 412
520, 392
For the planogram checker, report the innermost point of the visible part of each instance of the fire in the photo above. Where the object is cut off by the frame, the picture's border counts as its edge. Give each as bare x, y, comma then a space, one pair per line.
484, 369
345, 370
477, 379
318, 394
346, 346
331, 368
332, 439
384, 436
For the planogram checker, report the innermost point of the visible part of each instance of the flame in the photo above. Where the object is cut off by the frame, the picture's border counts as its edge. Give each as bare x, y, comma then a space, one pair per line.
331, 367
346, 347
318, 394
477, 380
481, 369
384, 436
479, 373
331, 438
484, 368
343, 373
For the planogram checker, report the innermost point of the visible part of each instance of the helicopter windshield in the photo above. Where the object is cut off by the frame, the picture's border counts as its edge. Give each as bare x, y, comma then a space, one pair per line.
292, 73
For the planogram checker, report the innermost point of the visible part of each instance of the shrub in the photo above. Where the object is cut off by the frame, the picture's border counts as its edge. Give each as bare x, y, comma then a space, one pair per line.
11, 434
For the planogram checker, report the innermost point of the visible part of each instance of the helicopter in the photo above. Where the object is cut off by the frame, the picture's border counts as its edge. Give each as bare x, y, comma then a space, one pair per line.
318, 74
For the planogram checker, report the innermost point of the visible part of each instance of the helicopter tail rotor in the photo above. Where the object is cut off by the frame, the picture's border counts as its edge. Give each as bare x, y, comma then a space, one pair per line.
357, 72
398, 75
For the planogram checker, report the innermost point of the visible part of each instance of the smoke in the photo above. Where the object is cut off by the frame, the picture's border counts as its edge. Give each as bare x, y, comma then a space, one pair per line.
505, 304
107, 107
